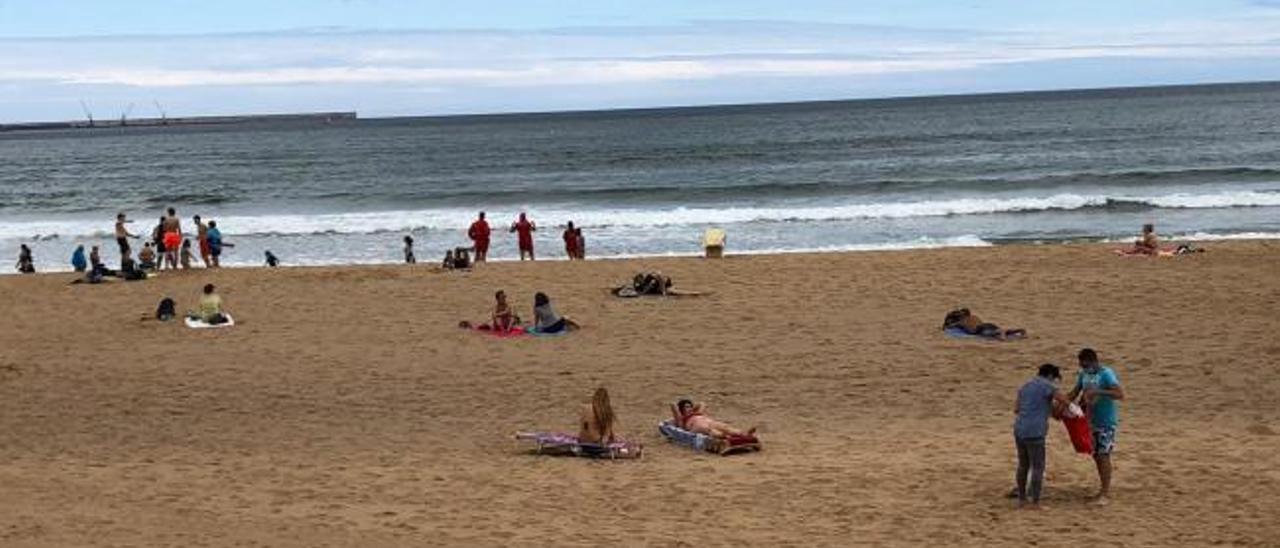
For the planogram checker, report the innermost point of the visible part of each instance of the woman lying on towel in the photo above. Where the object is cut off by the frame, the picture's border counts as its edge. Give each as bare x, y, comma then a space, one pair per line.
694, 418
971, 324
597, 421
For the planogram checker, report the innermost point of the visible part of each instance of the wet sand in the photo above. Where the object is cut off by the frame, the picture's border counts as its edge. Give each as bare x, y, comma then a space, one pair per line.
347, 409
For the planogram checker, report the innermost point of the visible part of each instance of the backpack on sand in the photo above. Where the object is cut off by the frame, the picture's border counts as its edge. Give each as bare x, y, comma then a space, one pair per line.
165, 311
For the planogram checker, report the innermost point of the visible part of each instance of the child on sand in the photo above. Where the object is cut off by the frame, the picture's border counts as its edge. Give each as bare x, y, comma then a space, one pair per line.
147, 257
187, 255
78, 261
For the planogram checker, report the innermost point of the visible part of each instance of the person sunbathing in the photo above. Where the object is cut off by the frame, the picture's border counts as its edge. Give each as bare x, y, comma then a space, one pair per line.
970, 323
504, 318
598, 423
1148, 243
694, 418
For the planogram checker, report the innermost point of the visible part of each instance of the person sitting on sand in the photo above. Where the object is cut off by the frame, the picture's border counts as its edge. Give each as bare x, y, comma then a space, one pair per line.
970, 323
694, 418
210, 307
78, 261
448, 260
1148, 243
545, 319
272, 260
504, 318
461, 258
147, 257
26, 263
598, 423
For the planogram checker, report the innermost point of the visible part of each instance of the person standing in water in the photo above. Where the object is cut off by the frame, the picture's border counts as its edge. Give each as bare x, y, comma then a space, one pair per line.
202, 239
123, 235
570, 241
479, 235
1099, 389
524, 229
582, 243
214, 236
172, 238
409, 257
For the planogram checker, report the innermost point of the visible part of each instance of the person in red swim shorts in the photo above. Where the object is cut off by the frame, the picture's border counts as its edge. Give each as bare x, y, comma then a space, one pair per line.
524, 229
479, 234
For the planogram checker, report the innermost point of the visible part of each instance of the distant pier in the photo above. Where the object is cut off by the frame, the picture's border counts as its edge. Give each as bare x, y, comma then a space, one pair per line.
307, 117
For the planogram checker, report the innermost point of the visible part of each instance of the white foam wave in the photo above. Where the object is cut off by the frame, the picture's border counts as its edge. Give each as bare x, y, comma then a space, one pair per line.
458, 219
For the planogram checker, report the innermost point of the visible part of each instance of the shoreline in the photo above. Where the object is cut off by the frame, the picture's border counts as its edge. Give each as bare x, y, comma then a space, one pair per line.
1214, 239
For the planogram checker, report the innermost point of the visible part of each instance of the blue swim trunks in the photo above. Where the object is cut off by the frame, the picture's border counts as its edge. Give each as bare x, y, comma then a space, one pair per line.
1104, 439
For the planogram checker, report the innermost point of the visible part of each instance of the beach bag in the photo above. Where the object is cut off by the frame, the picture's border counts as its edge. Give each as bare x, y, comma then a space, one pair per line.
1078, 430
165, 311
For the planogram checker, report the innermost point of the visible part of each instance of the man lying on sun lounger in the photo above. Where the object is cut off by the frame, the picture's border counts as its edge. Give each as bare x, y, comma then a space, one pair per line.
694, 418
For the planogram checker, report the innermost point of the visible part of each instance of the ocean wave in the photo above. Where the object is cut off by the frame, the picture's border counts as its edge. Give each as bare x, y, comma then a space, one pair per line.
379, 222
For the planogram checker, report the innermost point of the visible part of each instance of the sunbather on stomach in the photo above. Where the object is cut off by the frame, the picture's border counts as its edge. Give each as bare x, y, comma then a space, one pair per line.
694, 418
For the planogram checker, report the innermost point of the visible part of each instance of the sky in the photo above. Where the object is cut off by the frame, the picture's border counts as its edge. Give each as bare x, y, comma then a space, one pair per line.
400, 57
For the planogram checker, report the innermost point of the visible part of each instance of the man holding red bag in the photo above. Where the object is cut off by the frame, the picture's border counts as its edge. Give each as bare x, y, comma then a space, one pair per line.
1099, 389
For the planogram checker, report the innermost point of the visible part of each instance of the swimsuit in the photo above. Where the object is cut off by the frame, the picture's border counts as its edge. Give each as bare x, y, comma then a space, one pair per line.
172, 240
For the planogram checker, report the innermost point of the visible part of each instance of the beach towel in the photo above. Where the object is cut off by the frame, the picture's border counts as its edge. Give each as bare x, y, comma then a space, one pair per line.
512, 333
565, 445
533, 331
702, 442
959, 333
196, 323
1077, 424
628, 292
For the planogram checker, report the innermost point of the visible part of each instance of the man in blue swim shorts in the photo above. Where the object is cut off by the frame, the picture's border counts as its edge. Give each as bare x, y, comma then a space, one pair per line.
1099, 389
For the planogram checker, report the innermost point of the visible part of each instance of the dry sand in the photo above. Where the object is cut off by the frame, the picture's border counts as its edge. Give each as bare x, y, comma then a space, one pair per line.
347, 409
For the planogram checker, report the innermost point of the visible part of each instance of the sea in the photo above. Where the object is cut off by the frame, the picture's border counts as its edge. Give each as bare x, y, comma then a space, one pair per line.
1201, 162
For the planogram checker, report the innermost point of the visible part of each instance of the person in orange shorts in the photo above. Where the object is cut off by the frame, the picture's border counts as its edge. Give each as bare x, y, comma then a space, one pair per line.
172, 239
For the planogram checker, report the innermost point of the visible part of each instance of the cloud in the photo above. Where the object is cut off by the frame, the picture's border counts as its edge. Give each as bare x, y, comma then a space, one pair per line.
316, 63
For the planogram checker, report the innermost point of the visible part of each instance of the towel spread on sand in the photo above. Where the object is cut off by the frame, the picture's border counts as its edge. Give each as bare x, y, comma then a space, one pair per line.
197, 323
703, 442
560, 444
958, 333
514, 332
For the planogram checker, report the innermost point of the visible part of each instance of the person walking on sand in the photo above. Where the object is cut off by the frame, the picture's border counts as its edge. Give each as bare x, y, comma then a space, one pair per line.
123, 235
571, 242
524, 229
172, 238
479, 235
202, 240
1035, 403
1099, 389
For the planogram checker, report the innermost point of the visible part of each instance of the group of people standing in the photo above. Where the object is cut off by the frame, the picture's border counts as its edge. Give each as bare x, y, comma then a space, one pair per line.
480, 234
166, 247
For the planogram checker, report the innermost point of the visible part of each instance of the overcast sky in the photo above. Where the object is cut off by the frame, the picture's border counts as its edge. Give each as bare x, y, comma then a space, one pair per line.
393, 57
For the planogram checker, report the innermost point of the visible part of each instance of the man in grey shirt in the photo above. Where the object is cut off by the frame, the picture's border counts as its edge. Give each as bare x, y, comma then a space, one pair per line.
1036, 401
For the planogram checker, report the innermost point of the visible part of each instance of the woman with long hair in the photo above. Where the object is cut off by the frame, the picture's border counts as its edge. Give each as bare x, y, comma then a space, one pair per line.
597, 420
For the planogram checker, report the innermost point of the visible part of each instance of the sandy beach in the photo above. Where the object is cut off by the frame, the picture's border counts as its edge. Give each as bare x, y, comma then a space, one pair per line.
347, 409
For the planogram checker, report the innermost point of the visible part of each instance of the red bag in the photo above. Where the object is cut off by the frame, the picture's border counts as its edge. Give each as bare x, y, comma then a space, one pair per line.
1080, 433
